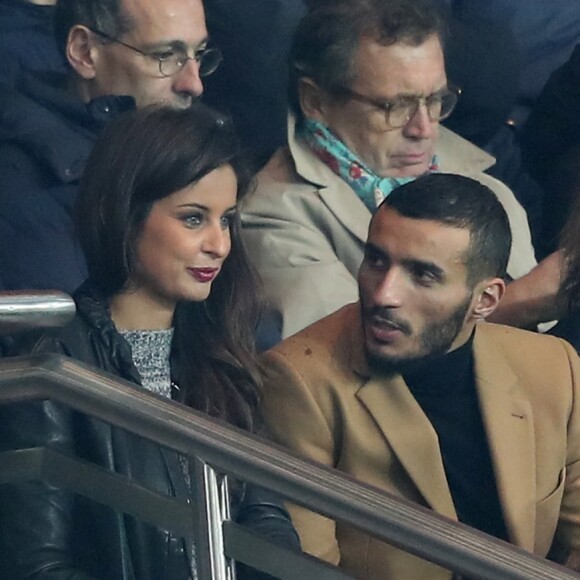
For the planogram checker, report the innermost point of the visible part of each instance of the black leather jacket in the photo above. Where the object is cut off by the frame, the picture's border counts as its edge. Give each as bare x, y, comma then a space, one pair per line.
48, 533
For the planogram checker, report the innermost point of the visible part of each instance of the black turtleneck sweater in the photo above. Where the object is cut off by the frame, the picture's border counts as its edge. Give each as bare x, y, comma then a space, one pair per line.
445, 389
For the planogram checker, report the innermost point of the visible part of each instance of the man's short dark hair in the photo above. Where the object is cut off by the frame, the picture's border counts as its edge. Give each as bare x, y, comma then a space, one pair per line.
326, 41
464, 203
105, 16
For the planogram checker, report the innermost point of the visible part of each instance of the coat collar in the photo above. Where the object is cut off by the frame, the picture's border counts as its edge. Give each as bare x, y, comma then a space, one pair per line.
334, 192
457, 155
507, 418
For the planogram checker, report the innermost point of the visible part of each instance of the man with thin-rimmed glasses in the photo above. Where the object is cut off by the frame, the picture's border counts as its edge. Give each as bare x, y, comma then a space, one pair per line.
120, 54
152, 51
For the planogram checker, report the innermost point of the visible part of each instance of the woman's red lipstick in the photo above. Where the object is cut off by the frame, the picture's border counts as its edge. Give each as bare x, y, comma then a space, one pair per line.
204, 274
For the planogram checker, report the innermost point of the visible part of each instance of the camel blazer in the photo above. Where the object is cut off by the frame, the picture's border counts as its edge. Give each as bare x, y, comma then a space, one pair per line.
323, 402
305, 228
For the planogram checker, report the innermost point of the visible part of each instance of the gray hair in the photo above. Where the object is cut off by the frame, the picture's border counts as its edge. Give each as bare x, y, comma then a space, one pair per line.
327, 39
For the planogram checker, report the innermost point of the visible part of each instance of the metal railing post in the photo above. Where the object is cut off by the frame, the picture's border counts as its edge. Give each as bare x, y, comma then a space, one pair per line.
225, 507
213, 502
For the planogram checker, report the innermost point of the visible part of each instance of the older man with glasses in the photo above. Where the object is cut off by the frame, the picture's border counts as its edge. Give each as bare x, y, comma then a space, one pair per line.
368, 90
120, 54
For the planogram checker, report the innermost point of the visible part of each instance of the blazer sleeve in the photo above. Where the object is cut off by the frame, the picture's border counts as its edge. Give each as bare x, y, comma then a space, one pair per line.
294, 418
567, 537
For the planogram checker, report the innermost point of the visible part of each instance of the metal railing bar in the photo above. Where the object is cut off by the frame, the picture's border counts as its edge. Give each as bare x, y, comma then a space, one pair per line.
24, 310
401, 523
245, 546
95, 483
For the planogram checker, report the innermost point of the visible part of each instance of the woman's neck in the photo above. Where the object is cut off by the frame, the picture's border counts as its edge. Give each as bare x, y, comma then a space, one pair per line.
132, 310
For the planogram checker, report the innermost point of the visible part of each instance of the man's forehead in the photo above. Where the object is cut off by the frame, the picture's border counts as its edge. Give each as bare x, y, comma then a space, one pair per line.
422, 239
165, 21
400, 68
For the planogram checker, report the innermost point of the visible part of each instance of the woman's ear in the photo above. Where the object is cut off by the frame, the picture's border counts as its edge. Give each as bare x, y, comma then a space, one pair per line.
81, 51
311, 99
490, 292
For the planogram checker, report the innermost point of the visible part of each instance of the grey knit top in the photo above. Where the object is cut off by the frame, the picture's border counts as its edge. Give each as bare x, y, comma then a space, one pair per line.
151, 350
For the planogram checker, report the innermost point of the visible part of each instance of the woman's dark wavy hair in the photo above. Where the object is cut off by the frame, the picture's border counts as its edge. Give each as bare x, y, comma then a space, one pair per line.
144, 156
570, 247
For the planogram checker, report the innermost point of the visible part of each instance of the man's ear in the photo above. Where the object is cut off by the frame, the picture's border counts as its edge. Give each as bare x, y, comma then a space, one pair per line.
489, 294
311, 99
81, 51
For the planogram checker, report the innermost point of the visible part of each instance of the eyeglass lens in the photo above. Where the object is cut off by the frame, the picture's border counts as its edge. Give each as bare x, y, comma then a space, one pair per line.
439, 107
208, 61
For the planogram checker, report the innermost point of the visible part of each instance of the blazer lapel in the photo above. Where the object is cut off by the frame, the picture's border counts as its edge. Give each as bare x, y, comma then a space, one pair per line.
342, 201
507, 418
407, 431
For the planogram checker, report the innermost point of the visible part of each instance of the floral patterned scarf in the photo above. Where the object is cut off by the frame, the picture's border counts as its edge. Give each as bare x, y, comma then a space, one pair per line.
371, 188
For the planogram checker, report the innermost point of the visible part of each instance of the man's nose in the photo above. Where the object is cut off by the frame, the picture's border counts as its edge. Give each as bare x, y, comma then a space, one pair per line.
389, 291
187, 80
420, 125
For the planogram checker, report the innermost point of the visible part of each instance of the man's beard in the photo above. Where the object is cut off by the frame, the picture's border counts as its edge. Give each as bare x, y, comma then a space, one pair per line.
435, 340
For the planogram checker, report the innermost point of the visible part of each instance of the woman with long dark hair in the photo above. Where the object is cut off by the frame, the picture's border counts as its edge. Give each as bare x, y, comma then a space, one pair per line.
170, 304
